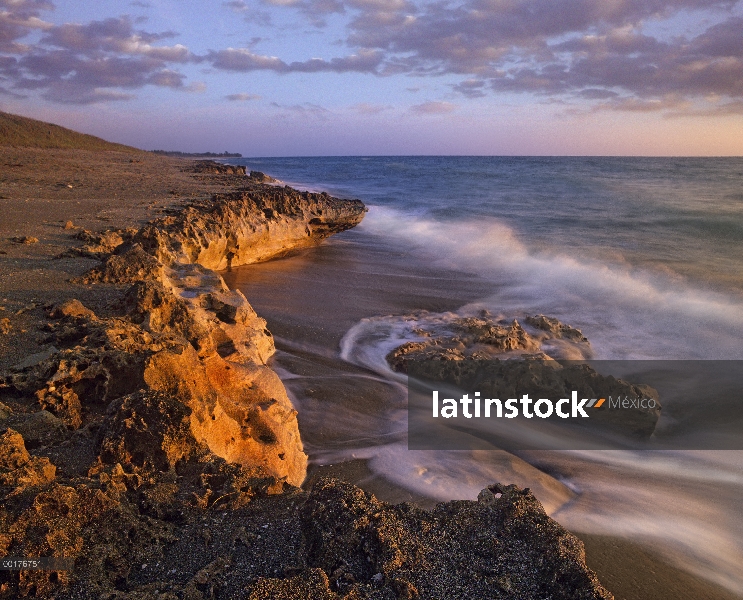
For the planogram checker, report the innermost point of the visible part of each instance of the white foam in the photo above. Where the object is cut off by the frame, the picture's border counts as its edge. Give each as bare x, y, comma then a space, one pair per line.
625, 312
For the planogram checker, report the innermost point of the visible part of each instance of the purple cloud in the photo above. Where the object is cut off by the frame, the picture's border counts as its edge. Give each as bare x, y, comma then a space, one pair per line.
433, 108
99, 61
242, 97
243, 60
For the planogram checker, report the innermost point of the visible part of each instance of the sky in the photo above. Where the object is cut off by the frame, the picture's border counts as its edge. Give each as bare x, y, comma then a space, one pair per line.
383, 77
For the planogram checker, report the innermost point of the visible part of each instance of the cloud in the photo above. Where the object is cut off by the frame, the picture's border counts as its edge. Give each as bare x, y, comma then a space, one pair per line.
242, 97
433, 108
722, 110
600, 52
244, 60
710, 63
114, 35
472, 88
18, 18
305, 110
364, 108
237, 5
316, 11
100, 61
571, 49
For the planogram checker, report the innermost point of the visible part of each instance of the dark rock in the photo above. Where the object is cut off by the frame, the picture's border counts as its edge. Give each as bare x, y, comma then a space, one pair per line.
149, 431
259, 177
210, 166
504, 544
24, 239
18, 469
554, 326
71, 308
132, 265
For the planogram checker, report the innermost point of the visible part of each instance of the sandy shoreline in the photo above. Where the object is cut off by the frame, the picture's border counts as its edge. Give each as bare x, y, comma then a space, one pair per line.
42, 190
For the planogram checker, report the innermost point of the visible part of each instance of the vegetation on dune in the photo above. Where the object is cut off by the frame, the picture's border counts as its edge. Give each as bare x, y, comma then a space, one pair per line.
22, 132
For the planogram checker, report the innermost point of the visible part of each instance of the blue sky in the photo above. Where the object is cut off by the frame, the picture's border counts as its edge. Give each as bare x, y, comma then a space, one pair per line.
362, 77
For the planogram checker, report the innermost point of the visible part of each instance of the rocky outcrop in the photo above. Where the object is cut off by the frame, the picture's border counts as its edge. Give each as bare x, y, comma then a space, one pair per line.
252, 225
260, 177
553, 326
132, 538
502, 545
18, 469
179, 331
460, 338
212, 167
503, 361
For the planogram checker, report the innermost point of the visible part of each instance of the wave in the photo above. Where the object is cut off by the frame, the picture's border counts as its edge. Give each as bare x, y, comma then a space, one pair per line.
625, 311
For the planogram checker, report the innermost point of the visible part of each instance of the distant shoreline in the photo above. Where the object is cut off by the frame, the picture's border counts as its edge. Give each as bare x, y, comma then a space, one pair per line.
177, 154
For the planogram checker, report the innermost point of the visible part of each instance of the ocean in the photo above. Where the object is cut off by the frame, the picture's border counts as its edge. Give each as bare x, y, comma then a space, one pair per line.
643, 255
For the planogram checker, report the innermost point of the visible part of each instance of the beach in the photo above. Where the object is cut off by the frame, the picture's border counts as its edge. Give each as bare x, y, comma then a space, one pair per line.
349, 416
136, 361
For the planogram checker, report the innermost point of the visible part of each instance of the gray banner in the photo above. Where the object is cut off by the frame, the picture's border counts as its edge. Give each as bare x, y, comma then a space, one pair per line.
570, 405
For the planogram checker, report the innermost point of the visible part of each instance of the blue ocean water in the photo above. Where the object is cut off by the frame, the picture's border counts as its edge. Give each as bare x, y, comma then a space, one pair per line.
644, 254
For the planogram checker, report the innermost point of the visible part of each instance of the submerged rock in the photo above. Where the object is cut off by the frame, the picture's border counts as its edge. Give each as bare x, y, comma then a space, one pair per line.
499, 361
465, 338
552, 325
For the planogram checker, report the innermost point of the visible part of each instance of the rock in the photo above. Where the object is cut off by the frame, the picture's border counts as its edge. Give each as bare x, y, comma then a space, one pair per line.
41, 428
34, 359
210, 166
250, 226
5, 326
545, 378
313, 584
71, 308
18, 469
554, 326
25, 239
101, 244
69, 225
470, 354
130, 266
354, 538
259, 177
158, 310
464, 338
241, 412
56, 522
148, 430
239, 408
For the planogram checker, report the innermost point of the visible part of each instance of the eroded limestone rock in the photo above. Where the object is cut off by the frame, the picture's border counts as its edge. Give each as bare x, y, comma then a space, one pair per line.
465, 338
244, 227
18, 469
553, 326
